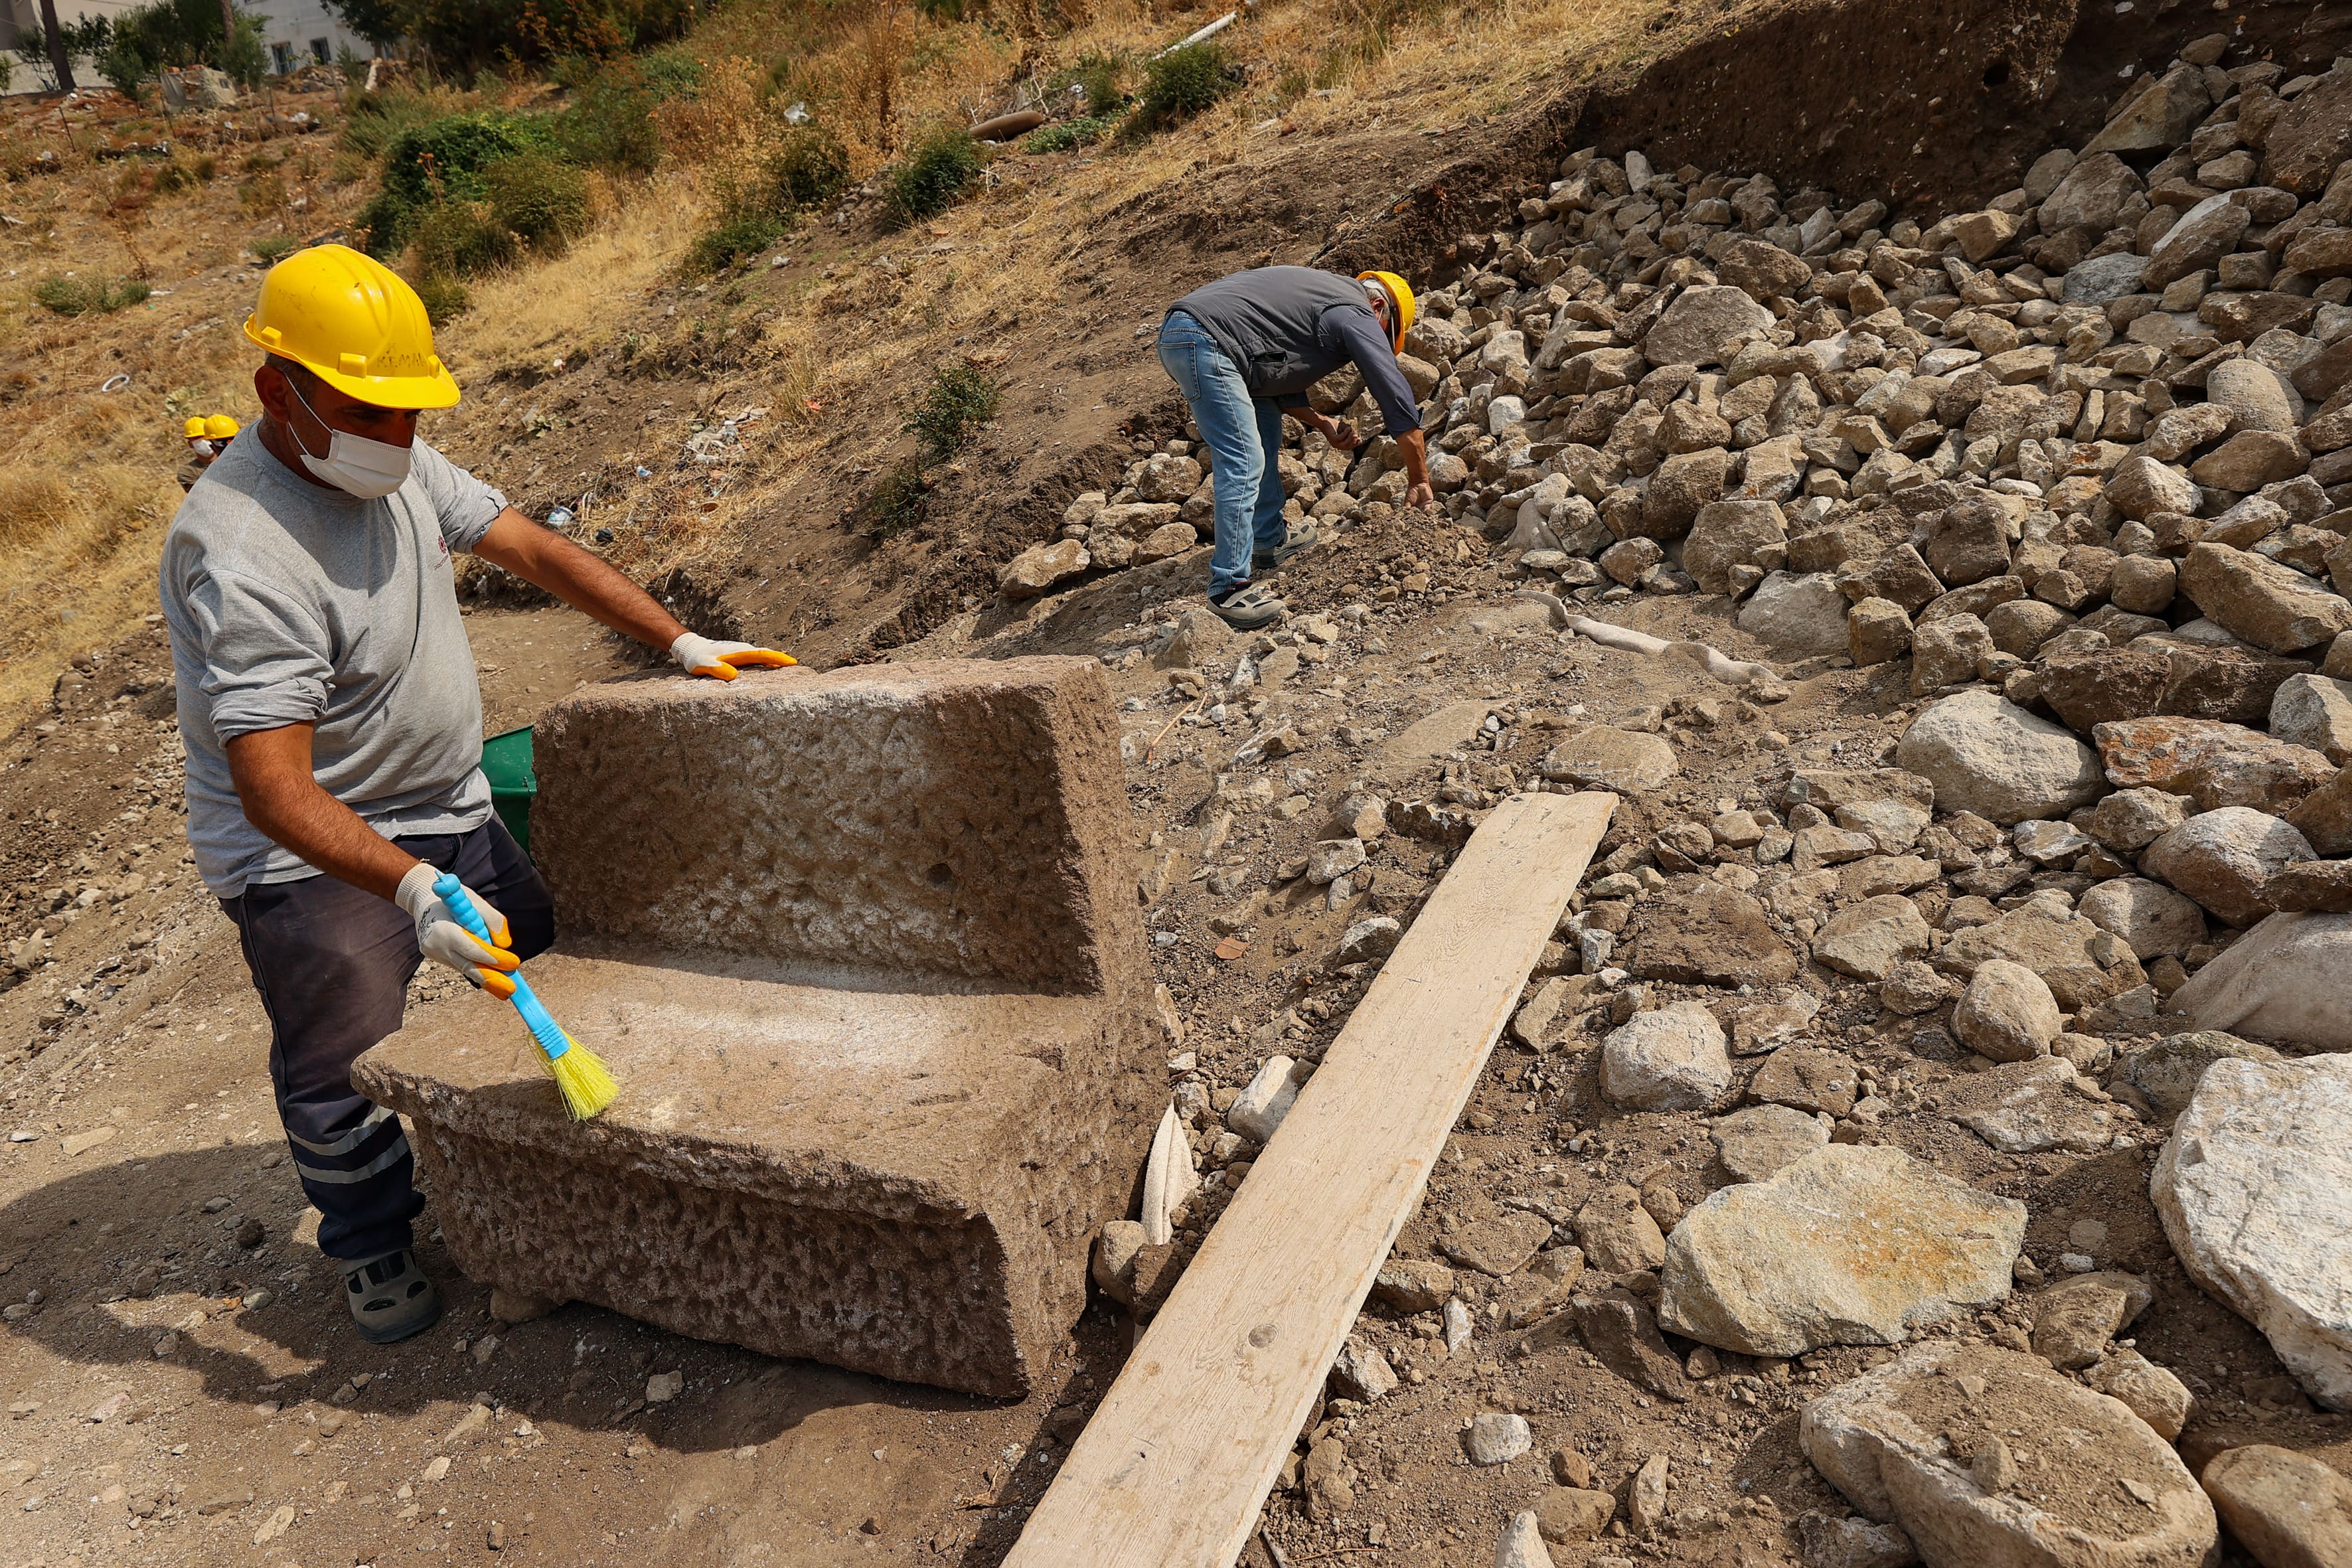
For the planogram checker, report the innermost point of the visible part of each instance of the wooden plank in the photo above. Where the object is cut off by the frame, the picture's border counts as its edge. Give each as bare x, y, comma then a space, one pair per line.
1175, 1467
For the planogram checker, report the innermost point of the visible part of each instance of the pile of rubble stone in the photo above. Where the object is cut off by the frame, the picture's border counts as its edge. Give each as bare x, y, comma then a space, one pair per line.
2084, 457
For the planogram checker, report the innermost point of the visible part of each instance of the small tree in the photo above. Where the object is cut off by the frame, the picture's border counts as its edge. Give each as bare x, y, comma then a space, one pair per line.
377, 21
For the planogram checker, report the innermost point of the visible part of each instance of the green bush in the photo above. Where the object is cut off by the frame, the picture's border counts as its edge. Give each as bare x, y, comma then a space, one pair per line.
77, 297
442, 161
273, 248
732, 238
149, 39
669, 73
808, 166
442, 298
541, 200
1180, 85
959, 400
1064, 134
467, 36
942, 167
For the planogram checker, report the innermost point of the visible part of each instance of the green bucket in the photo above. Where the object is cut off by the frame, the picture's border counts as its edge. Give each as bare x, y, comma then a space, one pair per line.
506, 762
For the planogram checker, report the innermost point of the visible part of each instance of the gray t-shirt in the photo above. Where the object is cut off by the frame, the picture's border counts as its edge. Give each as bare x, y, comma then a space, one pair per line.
289, 602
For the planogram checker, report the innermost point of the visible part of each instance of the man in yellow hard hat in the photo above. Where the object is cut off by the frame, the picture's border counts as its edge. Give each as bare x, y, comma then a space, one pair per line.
332, 719
1244, 350
205, 437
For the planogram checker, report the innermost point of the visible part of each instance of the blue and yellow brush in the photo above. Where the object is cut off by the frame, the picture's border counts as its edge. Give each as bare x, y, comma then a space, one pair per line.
584, 1080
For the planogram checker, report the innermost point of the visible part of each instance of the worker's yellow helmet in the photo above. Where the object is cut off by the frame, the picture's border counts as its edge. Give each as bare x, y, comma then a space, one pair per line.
1402, 292
194, 429
220, 427
356, 324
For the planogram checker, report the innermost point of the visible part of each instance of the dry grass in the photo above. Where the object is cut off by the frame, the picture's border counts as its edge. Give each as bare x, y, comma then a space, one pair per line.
864, 339
527, 313
86, 475
1013, 247
86, 486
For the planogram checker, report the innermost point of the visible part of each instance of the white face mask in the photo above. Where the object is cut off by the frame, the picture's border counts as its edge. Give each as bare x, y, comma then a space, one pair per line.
354, 464
201, 448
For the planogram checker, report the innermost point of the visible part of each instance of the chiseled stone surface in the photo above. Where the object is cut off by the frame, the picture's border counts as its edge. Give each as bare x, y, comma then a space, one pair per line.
874, 987
1850, 1244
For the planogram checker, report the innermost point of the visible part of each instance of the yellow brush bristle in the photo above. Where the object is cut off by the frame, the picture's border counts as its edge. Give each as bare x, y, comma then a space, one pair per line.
584, 1080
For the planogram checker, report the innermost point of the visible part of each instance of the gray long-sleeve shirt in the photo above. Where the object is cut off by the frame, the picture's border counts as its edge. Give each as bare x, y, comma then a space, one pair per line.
1286, 328
287, 604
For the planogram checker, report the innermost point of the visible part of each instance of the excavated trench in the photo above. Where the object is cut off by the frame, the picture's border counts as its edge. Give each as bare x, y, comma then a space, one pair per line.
1930, 105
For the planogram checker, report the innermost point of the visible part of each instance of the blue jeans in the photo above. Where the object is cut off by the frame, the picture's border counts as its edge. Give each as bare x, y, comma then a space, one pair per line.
332, 965
1243, 436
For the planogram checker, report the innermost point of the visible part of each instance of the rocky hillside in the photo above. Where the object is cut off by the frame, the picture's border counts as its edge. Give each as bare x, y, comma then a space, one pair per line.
2057, 491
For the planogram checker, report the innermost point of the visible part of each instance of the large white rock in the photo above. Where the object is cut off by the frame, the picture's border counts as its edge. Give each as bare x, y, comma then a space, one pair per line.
1987, 756
1522, 1545
2290, 978
1988, 1459
1669, 1059
2251, 1189
1850, 1244
1797, 612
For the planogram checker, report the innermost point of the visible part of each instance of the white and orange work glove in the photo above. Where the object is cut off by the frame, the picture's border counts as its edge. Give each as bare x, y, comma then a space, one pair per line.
443, 941
724, 660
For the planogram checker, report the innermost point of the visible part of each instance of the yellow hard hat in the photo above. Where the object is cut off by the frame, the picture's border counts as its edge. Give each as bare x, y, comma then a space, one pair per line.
1402, 292
355, 323
194, 429
220, 427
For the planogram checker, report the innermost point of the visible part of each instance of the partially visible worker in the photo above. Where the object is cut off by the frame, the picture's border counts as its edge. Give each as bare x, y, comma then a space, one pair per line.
1244, 350
205, 437
333, 718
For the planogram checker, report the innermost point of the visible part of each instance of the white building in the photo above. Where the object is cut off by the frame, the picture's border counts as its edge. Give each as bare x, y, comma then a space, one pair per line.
297, 33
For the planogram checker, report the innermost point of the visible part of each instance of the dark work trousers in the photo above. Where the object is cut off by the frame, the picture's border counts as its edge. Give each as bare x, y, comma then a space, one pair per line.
332, 964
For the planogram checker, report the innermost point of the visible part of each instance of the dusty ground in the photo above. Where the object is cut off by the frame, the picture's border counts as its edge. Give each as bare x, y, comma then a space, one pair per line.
183, 1388
157, 1417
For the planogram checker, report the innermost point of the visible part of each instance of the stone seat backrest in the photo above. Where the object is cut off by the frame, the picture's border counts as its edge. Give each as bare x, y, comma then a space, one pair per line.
959, 820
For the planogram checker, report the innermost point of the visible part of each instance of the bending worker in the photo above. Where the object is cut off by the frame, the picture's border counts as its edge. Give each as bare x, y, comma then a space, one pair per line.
332, 719
1244, 350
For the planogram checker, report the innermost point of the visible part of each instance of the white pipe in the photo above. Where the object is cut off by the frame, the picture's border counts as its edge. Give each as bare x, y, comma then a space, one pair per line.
1219, 26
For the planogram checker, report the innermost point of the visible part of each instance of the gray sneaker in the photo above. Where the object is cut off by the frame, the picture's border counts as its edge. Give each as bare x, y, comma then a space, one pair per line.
1302, 536
390, 1297
1248, 607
